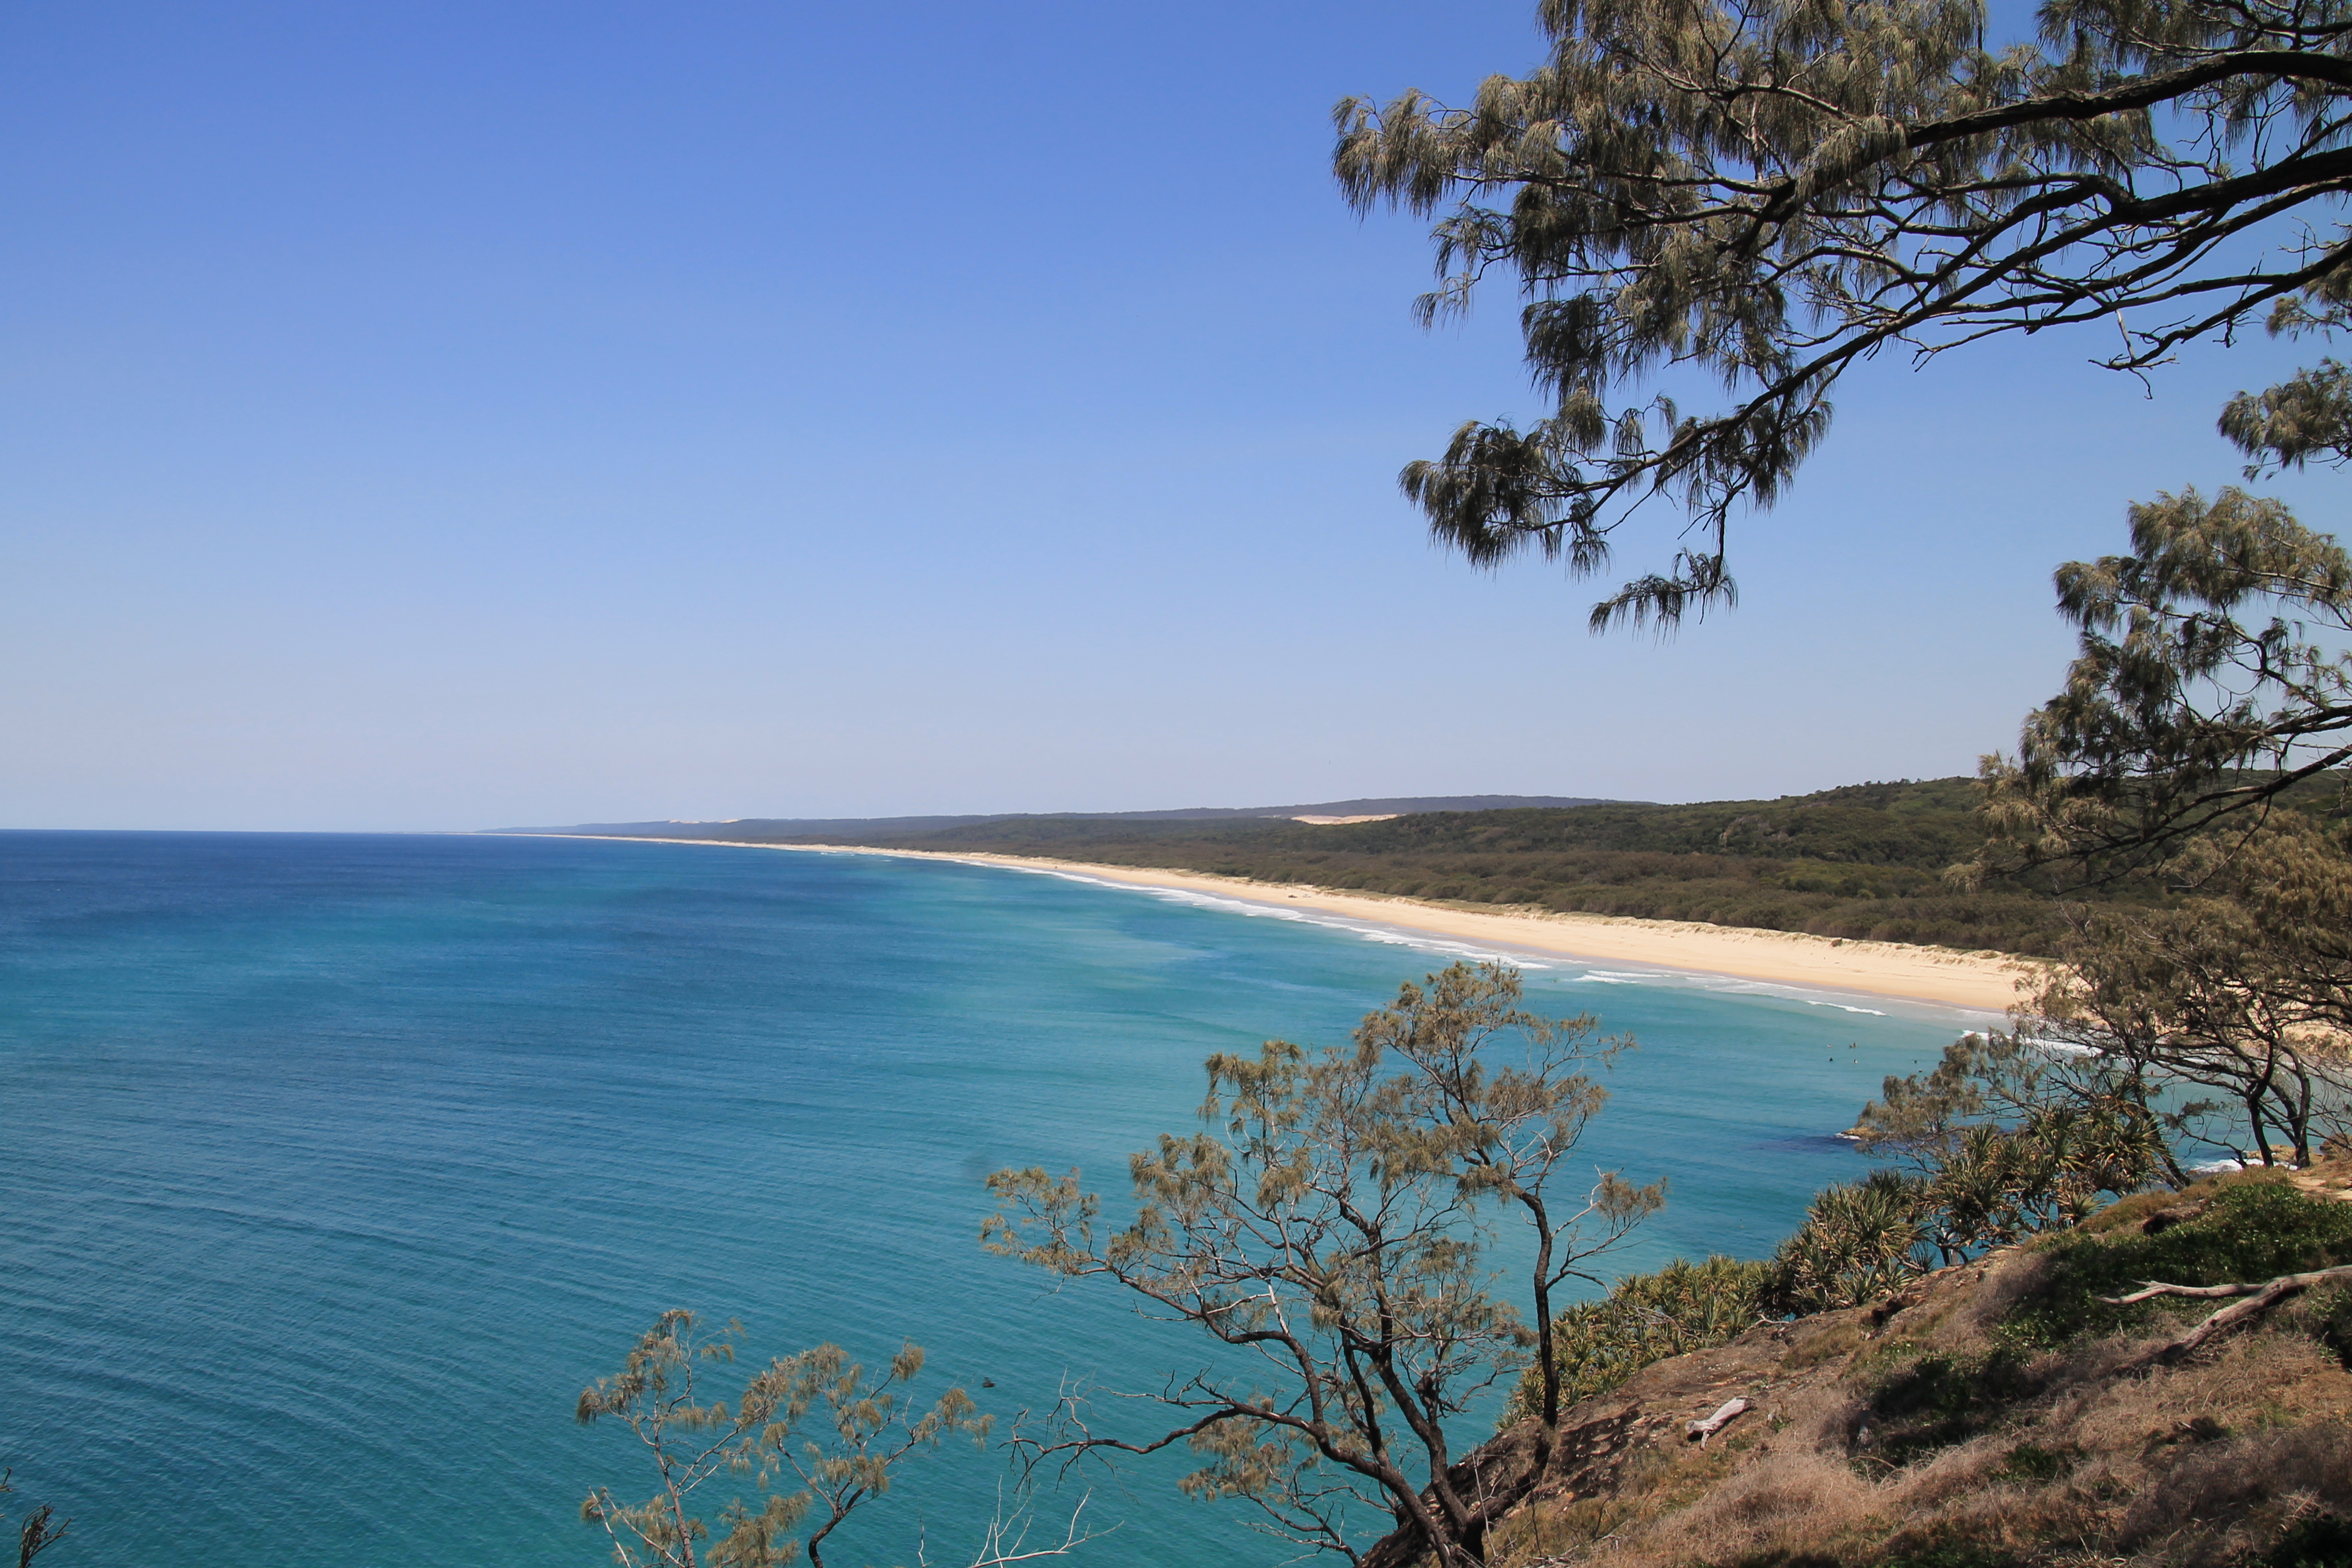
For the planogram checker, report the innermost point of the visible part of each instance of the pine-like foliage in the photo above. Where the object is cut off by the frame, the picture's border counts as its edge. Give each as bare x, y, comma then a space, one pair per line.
2202, 735
2212, 681
1331, 1223
814, 1435
1768, 191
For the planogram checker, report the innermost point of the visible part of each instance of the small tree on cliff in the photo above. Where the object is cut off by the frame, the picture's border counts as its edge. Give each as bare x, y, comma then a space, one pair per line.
1332, 1220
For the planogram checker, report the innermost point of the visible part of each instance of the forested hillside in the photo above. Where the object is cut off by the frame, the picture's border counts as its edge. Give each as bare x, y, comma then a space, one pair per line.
1865, 860
1860, 861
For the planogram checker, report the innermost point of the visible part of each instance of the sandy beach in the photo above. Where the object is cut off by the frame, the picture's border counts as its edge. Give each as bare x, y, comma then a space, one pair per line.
1989, 980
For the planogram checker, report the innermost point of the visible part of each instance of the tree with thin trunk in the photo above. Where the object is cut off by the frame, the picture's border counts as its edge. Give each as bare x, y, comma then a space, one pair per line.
1334, 1221
2198, 749
2201, 1004
1510, 1123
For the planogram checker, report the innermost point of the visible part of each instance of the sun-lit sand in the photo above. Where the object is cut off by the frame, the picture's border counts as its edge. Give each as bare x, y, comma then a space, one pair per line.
1990, 981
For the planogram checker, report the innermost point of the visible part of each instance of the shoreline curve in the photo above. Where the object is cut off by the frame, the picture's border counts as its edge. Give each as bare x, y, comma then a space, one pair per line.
1985, 980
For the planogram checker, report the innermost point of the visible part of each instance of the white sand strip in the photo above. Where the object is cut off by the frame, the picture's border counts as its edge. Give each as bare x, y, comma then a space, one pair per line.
1987, 981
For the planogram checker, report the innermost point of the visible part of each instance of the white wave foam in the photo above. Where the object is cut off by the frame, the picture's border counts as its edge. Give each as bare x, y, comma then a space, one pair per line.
1421, 941
2047, 1047
1363, 929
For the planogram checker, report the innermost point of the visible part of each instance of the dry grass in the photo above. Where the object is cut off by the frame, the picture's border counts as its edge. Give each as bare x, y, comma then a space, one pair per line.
2068, 1457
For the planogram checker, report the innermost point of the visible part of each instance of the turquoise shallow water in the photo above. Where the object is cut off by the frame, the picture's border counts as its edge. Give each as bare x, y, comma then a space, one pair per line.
333, 1166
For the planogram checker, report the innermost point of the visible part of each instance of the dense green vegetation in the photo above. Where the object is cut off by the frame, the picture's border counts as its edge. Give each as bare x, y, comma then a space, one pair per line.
2252, 1228
1865, 861
2236, 1228
1643, 1320
1862, 861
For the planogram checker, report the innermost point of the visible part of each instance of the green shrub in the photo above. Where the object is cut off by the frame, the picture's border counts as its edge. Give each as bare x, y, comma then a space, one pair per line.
2251, 1230
1860, 1241
2325, 1542
1951, 1553
1644, 1319
2327, 1314
2032, 1464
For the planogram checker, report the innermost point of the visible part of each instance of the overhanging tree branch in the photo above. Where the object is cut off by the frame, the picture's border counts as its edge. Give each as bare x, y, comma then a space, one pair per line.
1769, 193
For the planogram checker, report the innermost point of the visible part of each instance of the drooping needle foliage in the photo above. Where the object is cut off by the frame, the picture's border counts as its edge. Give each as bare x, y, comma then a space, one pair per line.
2201, 737
1768, 192
814, 1435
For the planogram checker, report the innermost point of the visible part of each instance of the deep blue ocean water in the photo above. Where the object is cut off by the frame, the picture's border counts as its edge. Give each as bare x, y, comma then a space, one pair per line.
334, 1166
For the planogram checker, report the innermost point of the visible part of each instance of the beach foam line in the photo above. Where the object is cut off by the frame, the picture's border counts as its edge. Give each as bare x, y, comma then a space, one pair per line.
1819, 971
1520, 958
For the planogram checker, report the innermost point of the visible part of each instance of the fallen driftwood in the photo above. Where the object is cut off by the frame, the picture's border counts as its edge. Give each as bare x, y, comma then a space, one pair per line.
1726, 1413
2255, 1299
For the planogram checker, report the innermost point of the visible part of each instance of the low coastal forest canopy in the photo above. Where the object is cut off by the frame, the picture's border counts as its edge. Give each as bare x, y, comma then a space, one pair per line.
1860, 862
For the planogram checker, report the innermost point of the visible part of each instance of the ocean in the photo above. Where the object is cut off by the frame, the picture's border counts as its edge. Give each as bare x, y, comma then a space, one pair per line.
334, 1166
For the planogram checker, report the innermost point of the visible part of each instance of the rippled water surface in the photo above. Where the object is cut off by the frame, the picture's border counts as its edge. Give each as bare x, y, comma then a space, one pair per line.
333, 1166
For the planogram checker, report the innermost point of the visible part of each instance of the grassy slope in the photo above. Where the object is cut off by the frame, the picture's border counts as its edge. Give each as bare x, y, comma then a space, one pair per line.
1865, 860
1995, 1415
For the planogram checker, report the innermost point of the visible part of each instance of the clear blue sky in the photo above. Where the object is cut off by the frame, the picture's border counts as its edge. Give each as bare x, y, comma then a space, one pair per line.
437, 415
